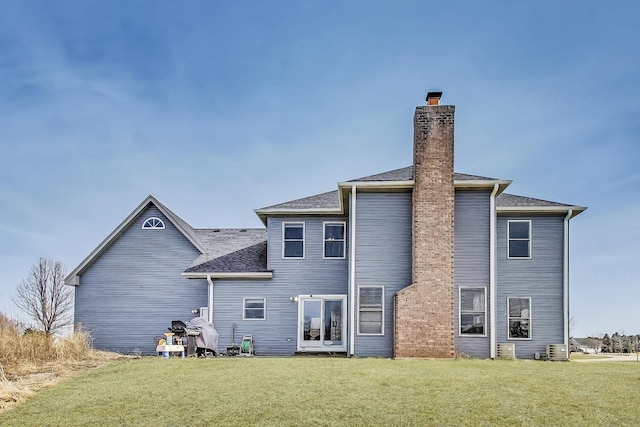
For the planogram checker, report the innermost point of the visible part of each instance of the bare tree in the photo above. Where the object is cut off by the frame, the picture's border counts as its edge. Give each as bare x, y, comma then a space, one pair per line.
572, 324
45, 298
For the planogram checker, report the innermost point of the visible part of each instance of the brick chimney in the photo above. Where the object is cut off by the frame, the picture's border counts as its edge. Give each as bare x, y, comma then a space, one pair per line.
424, 310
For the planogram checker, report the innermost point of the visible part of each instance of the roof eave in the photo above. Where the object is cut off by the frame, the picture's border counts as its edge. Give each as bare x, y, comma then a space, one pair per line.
230, 275
378, 184
575, 210
482, 183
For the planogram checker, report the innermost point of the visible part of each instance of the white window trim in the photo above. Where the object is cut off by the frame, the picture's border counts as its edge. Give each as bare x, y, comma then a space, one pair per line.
244, 308
460, 334
381, 333
344, 238
530, 321
158, 226
530, 239
304, 235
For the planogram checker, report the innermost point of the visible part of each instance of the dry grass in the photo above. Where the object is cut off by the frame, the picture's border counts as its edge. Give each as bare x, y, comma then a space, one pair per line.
31, 361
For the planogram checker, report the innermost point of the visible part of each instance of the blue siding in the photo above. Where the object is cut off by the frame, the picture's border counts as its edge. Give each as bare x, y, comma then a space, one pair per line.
540, 278
313, 275
134, 290
472, 248
383, 257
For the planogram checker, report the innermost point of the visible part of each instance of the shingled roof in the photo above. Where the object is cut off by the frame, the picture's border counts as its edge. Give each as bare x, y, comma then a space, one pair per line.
328, 200
512, 200
406, 174
252, 259
331, 199
222, 241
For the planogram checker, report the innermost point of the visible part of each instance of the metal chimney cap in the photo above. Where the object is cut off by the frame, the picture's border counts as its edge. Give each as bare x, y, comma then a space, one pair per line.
433, 98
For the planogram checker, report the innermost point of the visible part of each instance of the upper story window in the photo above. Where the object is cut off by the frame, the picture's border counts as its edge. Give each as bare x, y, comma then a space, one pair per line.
334, 242
473, 309
153, 223
370, 310
519, 239
519, 310
293, 239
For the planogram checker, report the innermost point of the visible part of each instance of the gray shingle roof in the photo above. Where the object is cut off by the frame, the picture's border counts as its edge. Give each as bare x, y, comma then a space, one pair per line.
402, 174
506, 200
328, 200
252, 259
221, 242
406, 174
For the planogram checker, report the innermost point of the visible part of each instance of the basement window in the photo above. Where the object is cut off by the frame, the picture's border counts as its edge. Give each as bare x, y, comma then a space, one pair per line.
519, 310
254, 308
519, 239
153, 223
334, 239
370, 310
293, 240
473, 310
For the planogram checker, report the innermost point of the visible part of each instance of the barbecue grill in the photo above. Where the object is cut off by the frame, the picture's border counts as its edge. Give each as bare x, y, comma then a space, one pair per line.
201, 336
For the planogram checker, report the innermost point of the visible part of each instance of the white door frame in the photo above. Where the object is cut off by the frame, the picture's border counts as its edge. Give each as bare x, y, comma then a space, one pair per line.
322, 344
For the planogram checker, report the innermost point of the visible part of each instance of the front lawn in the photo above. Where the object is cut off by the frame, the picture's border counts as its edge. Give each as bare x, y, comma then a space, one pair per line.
335, 391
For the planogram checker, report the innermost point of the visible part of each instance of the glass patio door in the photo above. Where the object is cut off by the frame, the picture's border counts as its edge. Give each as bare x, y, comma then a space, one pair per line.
322, 323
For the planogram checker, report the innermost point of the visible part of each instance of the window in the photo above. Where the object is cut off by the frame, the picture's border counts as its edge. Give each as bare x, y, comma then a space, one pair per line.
473, 309
334, 239
293, 239
153, 223
519, 239
370, 310
254, 309
519, 310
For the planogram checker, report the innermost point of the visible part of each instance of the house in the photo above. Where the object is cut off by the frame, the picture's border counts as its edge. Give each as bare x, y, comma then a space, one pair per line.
413, 262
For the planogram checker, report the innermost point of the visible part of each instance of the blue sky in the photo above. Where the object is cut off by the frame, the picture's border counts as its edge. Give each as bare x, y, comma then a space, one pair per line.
217, 109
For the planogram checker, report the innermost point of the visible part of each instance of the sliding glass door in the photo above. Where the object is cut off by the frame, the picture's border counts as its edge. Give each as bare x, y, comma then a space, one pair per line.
322, 323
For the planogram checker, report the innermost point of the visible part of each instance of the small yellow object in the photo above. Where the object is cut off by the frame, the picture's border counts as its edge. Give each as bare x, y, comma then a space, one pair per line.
162, 341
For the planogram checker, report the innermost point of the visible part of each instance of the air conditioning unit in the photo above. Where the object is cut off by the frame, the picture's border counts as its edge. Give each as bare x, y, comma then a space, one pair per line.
557, 351
506, 351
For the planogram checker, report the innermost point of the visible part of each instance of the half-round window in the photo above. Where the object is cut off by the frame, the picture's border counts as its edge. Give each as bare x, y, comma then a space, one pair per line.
153, 223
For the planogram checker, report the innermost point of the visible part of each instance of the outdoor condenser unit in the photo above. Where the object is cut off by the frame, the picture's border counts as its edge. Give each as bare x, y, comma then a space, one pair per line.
557, 351
506, 351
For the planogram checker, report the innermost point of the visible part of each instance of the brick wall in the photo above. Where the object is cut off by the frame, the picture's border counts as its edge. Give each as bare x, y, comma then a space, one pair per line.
424, 310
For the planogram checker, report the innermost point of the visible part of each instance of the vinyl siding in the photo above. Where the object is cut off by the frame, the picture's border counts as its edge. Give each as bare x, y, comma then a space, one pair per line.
134, 290
383, 257
540, 278
471, 264
313, 275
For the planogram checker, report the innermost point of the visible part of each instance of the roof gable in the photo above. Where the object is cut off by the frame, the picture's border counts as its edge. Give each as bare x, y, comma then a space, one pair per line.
179, 223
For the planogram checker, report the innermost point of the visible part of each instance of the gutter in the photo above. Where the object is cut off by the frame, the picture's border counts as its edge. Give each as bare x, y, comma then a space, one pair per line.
492, 268
248, 275
210, 311
565, 280
573, 210
352, 271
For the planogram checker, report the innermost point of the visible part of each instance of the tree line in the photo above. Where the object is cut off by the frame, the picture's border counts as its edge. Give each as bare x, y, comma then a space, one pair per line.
614, 343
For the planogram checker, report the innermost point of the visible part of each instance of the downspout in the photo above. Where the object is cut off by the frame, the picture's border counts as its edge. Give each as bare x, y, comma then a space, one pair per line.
210, 310
352, 271
492, 268
565, 279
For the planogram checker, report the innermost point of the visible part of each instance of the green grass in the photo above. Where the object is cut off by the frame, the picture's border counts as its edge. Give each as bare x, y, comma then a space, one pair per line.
334, 391
580, 356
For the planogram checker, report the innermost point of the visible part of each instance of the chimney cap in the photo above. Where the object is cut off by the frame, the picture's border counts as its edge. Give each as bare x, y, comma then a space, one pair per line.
433, 98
